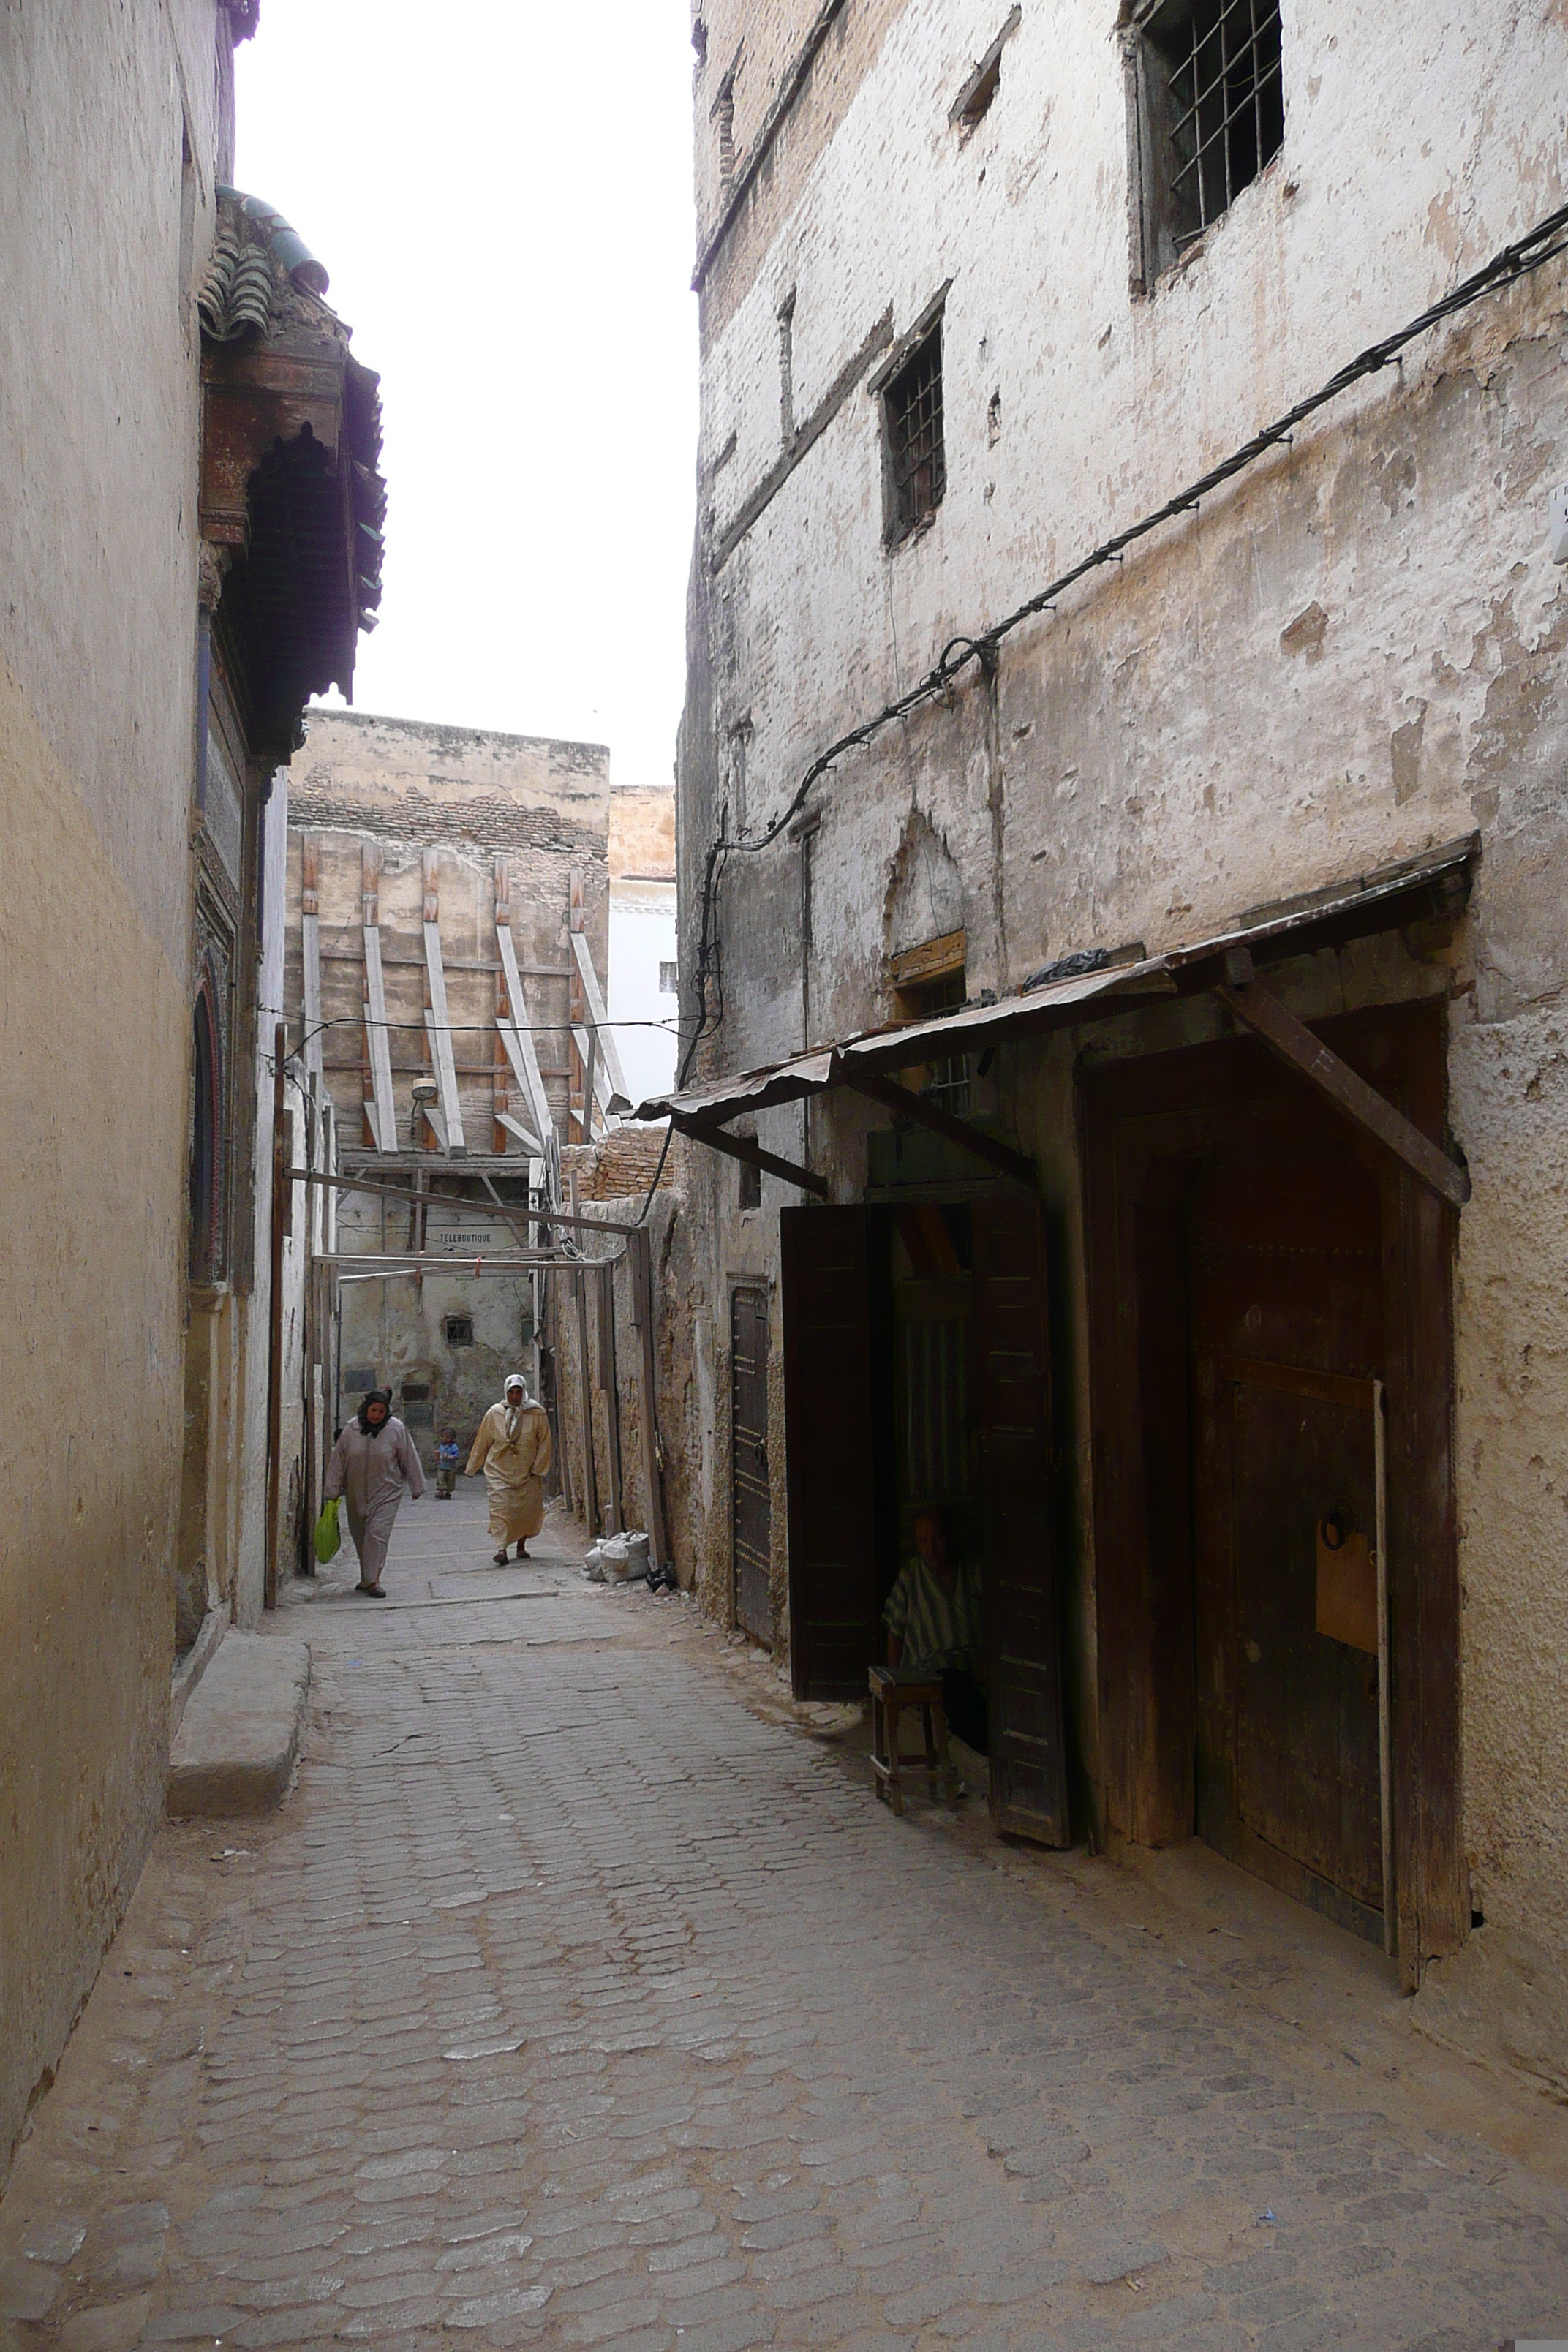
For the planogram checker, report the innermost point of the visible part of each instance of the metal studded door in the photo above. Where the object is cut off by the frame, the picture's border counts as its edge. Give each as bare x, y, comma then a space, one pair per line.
752, 1503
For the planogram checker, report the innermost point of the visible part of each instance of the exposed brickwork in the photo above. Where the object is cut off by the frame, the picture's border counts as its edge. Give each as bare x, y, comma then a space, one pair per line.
623, 1164
490, 821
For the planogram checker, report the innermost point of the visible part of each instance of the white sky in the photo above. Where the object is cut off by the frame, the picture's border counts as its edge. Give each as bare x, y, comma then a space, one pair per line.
501, 192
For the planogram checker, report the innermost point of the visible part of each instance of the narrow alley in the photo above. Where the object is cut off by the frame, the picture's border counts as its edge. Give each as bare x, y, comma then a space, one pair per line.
524, 2019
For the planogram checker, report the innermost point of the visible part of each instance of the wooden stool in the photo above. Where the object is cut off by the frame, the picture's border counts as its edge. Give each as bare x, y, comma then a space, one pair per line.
891, 1693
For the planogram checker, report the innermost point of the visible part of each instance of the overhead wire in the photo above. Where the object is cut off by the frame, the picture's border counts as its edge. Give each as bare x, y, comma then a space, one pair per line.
1511, 263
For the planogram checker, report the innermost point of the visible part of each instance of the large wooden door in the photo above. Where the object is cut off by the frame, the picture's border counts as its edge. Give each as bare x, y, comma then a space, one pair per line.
1285, 1290
830, 1470
751, 1500
1254, 1264
1028, 1778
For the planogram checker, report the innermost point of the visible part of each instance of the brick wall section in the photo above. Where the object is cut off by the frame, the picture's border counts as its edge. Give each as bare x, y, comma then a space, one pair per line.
623, 1164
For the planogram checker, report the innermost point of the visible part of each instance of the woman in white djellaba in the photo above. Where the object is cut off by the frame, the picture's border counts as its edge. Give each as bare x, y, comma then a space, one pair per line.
514, 1450
373, 1460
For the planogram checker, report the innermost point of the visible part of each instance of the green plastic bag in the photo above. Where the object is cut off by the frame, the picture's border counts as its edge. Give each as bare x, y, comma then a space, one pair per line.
328, 1535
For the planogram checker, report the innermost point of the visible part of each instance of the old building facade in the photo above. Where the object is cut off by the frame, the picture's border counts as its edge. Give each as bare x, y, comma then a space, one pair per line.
190, 514
448, 896
1197, 791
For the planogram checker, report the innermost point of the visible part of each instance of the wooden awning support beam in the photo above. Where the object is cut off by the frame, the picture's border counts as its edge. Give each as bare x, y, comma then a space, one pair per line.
1253, 1006
511, 1213
740, 1146
905, 1104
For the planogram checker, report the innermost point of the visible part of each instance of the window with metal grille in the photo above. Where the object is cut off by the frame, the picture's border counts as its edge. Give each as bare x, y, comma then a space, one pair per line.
916, 460
1212, 112
947, 1084
460, 1331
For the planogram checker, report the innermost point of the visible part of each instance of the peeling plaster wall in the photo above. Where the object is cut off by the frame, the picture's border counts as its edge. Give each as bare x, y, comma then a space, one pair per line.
1353, 653
98, 621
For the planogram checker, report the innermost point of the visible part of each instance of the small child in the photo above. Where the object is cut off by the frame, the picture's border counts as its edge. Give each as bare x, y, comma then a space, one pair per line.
448, 1456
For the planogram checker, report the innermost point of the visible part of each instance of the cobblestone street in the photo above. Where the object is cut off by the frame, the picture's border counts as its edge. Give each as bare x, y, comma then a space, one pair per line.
582, 1995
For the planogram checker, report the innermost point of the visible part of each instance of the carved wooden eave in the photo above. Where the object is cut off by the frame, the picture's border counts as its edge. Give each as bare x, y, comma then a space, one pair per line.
254, 395
290, 488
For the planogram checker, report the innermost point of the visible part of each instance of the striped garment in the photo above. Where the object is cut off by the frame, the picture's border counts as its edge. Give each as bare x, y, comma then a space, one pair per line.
939, 1629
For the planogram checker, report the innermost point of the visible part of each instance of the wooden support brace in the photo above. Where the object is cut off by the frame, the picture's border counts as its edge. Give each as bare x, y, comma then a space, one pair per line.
614, 1076
1375, 1116
740, 1146
383, 1116
905, 1104
576, 1107
459, 1207
518, 1037
438, 1021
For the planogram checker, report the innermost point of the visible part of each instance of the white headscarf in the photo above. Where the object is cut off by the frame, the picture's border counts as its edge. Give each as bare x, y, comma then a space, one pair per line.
514, 1413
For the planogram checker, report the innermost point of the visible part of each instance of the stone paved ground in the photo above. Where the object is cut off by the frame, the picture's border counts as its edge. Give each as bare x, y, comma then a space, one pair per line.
579, 1997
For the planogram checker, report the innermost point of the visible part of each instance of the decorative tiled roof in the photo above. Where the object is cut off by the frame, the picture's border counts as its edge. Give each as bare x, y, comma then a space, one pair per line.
254, 249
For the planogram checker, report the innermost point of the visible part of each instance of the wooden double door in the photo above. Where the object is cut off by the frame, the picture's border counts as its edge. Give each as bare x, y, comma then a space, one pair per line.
842, 1484
1265, 1285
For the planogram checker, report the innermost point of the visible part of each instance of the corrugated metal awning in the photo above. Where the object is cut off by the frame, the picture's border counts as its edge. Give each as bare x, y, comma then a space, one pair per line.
1346, 910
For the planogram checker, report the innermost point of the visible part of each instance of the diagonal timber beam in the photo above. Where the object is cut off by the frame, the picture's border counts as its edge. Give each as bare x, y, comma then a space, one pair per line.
740, 1146
905, 1104
609, 1052
1294, 1042
383, 1117
519, 1037
439, 1022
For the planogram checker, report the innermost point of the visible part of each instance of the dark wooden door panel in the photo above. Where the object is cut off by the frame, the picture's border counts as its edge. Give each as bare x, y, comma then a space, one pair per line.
830, 1470
753, 1500
1028, 1776
1286, 1303
1306, 1715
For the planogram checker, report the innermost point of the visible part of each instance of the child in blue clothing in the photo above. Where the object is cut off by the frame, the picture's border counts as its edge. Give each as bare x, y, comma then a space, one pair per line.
448, 1456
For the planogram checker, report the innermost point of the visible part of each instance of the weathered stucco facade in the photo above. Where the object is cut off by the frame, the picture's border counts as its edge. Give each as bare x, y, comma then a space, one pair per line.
402, 828
182, 568
1349, 654
103, 232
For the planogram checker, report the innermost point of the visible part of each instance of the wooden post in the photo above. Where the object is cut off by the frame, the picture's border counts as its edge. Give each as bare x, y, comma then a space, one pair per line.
609, 1374
560, 1459
580, 1299
639, 1263
282, 1202
305, 1564
588, 1079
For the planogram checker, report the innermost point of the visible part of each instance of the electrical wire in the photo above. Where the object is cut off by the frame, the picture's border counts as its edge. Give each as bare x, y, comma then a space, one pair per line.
1525, 255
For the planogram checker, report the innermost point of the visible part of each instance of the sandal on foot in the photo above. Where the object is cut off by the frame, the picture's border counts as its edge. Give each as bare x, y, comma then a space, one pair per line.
371, 1591
499, 1558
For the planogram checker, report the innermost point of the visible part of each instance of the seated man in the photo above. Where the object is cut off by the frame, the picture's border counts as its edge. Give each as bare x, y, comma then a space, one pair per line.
934, 1626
